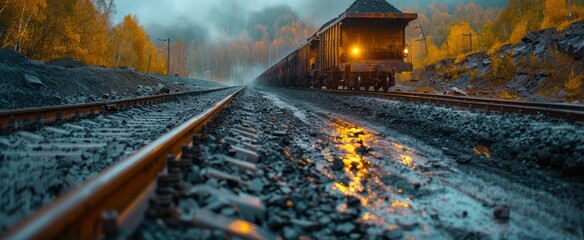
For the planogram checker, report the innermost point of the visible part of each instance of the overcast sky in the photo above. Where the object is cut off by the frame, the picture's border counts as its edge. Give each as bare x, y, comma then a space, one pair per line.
165, 12
207, 17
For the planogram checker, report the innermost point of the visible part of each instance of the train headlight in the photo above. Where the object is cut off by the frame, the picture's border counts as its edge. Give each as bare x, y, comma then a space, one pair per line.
356, 51
406, 51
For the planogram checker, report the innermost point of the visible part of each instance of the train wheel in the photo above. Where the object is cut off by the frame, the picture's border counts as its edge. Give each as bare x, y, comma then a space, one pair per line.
385, 88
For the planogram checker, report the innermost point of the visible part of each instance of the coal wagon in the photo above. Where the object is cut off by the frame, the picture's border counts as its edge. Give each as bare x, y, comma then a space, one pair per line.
363, 48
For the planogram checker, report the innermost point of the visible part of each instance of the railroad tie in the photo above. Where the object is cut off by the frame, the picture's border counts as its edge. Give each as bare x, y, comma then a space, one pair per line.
242, 229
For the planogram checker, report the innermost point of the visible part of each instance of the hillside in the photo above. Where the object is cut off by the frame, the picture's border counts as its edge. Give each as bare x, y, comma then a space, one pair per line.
545, 65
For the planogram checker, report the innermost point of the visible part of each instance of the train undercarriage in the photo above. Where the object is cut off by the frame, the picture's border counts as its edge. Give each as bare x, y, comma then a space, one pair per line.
361, 76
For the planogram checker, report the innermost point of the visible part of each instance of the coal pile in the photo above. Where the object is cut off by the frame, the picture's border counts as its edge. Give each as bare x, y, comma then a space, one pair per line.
376, 6
10, 56
66, 62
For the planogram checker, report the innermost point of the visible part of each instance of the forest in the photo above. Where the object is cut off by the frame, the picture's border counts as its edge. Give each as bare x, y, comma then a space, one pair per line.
449, 32
83, 30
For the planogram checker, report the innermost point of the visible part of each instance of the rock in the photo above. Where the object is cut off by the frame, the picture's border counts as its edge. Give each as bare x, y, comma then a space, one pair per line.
464, 159
502, 213
338, 164
276, 222
457, 92
291, 233
256, 185
353, 201
572, 40
324, 220
445, 62
344, 228
32, 80
303, 223
532, 37
280, 133
394, 233
161, 89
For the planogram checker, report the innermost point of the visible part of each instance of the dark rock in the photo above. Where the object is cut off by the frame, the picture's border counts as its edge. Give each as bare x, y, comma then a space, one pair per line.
395, 233
161, 89
353, 201
291, 233
276, 222
344, 228
303, 223
572, 41
280, 133
256, 185
324, 220
464, 159
445, 62
338, 164
502, 213
532, 37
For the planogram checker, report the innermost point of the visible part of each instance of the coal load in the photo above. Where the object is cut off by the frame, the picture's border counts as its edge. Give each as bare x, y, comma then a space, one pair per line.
362, 6
376, 6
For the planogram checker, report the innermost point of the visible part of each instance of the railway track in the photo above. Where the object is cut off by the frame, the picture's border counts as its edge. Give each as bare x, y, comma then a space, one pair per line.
570, 112
40, 165
34, 117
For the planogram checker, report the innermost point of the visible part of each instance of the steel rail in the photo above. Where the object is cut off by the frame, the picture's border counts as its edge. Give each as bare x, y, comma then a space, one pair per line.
571, 112
18, 118
566, 106
78, 214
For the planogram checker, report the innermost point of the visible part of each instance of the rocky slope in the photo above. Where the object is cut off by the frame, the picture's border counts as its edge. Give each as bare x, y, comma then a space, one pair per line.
546, 66
25, 83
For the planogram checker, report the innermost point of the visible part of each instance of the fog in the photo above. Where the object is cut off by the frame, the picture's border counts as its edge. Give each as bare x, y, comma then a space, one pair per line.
202, 23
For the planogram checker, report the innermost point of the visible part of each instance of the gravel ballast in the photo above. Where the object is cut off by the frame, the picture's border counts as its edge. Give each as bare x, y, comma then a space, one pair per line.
36, 167
324, 174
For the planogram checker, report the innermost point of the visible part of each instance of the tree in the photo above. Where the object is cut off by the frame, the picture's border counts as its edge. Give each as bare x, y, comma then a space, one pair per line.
554, 12
457, 43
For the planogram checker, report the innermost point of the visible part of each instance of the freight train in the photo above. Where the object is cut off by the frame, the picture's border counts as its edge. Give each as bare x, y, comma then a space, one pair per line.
362, 48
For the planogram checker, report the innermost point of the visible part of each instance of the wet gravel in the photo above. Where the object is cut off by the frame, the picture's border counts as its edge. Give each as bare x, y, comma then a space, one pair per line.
297, 200
524, 142
327, 170
36, 167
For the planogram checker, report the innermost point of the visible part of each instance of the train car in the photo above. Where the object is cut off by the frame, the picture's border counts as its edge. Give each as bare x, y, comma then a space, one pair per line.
291, 69
364, 47
307, 62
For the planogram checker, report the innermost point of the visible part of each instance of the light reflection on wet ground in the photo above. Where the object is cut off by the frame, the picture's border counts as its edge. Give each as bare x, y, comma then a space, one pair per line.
369, 167
427, 198
399, 191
